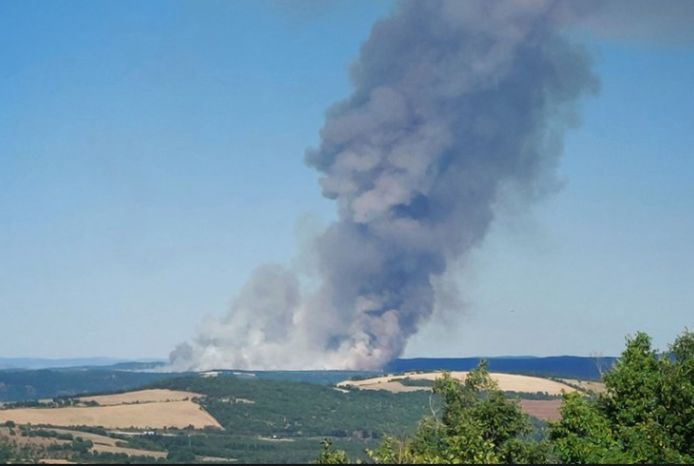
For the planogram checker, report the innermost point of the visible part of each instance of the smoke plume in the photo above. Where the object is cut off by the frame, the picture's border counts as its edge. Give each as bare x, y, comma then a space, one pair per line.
455, 103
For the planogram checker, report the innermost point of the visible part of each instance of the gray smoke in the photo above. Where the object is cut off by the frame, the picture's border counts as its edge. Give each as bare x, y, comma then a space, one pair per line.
455, 103
645, 21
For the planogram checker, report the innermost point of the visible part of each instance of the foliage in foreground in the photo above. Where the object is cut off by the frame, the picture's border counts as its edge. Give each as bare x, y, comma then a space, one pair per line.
6, 453
646, 415
477, 424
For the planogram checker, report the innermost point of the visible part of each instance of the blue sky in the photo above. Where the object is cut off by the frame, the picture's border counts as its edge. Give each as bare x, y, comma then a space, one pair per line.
151, 155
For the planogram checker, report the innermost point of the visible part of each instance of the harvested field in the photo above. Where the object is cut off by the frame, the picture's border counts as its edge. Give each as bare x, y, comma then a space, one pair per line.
547, 410
153, 415
103, 444
22, 441
586, 385
128, 451
141, 396
506, 382
94, 438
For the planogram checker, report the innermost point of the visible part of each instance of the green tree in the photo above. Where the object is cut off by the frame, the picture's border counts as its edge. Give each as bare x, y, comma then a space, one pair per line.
81, 446
478, 424
180, 454
646, 414
583, 435
329, 455
676, 395
6, 453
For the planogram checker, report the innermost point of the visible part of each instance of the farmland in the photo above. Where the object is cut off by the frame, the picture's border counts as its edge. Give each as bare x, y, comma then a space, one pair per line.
225, 417
506, 382
246, 416
25, 385
545, 392
146, 409
140, 396
58, 445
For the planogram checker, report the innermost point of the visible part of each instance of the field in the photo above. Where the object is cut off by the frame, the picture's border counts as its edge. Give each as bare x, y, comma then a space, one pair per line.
29, 385
56, 445
248, 419
547, 410
585, 385
506, 382
521, 386
571, 367
105, 444
157, 409
140, 396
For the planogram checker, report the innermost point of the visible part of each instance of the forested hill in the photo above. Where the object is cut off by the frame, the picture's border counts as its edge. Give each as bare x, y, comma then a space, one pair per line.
249, 406
576, 367
25, 385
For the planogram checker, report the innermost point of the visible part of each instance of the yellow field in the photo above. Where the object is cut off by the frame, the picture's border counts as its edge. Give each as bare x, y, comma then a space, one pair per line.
103, 444
22, 441
128, 451
506, 382
100, 444
586, 385
152, 415
140, 396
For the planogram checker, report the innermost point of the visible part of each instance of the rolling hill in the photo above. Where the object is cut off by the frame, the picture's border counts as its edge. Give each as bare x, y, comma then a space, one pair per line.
572, 367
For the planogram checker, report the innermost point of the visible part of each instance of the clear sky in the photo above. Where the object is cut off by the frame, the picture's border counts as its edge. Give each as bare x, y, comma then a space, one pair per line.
151, 155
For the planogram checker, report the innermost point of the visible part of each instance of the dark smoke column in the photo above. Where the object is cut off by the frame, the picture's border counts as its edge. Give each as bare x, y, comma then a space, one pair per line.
453, 100
454, 103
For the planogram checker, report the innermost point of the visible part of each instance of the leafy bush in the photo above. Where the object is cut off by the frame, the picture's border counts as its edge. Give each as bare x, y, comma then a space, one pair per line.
409, 382
646, 414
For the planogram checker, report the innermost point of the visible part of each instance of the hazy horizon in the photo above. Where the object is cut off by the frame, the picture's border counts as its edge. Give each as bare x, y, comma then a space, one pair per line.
153, 156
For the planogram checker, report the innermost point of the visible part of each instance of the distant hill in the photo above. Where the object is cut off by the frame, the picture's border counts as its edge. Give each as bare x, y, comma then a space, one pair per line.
295, 416
134, 366
577, 367
325, 377
96, 375
27, 385
46, 363
570, 367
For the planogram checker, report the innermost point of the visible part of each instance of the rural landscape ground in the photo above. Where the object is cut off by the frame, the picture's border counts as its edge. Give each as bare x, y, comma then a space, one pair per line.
232, 416
637, 408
